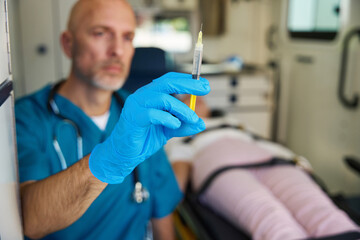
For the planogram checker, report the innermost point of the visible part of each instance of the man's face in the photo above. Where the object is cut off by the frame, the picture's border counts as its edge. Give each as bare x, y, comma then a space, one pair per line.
102, 48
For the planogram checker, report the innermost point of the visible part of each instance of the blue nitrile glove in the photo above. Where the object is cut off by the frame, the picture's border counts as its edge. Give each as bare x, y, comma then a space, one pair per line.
150, 117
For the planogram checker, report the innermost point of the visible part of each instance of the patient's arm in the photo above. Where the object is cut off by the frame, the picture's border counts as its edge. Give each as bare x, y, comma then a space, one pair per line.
182, 170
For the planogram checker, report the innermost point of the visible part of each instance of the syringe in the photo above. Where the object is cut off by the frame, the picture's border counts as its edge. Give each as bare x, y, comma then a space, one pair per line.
196, 65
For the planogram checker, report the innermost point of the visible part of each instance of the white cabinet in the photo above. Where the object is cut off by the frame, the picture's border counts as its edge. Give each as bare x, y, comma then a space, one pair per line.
179, 4
164, 5
41, 24
245, 95
37, 43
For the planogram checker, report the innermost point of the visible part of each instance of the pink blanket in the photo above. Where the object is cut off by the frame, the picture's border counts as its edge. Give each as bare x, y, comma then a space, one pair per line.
279, 202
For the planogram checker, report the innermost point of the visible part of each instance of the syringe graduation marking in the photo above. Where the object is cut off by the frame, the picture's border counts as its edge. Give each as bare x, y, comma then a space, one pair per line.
196, 65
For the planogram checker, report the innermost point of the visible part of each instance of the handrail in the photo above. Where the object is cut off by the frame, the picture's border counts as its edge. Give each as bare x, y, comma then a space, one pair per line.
354, 101
5, 89
353, 162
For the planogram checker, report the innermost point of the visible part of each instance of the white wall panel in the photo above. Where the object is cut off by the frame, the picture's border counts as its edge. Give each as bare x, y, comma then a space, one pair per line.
63, 7
42, 23
4, 66
10, 219
36, 33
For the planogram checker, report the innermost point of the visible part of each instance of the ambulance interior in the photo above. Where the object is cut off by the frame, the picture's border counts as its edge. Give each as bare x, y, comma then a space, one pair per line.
288, 70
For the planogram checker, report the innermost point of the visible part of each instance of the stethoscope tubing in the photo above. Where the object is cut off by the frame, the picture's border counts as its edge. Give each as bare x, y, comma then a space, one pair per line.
60, 154
140, 193
79, 143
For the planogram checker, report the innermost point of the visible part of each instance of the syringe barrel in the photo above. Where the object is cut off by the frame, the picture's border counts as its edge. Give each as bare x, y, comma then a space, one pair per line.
197, 62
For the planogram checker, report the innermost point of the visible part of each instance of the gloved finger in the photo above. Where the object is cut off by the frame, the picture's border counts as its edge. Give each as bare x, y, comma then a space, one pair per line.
187, 129
172, 105
158, 117
179, 83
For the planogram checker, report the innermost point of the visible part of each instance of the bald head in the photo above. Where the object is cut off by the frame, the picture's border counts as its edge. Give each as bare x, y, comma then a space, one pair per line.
84, 8
99, 42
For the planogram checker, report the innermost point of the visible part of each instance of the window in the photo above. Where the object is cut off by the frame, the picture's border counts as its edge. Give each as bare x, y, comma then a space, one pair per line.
170, 34
313, 19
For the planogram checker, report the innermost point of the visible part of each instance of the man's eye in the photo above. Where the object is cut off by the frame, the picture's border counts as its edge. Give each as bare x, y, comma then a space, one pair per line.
129, 37
99, 33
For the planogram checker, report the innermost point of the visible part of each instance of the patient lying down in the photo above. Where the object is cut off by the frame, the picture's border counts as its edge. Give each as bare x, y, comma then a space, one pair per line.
279, 202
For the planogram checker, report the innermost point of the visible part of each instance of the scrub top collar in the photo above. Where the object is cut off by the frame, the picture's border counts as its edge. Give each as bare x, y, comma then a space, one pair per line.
88, 129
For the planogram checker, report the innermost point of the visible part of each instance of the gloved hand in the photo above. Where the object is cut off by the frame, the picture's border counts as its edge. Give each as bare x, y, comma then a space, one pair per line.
150, 117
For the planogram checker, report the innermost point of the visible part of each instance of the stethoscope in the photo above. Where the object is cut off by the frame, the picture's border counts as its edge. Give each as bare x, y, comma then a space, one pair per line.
140, 193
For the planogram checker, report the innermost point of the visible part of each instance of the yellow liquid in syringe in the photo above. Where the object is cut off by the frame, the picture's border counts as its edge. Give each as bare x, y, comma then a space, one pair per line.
196, 65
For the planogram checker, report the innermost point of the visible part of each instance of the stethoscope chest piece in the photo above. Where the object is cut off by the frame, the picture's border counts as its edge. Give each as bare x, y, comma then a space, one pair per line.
140, 194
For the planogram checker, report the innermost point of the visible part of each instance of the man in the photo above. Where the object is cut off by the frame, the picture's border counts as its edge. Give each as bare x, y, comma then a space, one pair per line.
67, 196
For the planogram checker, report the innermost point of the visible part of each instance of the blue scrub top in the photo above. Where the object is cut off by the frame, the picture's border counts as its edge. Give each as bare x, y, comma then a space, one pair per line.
113, 215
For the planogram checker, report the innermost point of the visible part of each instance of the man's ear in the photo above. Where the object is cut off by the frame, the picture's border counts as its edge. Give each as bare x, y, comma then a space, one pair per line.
66, 40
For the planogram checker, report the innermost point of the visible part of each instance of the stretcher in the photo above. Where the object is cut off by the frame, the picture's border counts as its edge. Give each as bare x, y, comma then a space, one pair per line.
194, 220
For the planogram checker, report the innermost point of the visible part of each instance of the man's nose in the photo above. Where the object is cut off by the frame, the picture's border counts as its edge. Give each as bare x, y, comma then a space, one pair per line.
117, 47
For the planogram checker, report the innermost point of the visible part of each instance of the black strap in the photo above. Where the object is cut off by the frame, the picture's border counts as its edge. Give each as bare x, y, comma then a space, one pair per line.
274, 161
342, 236
352, 235
136, 175
52, 93
225, 125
